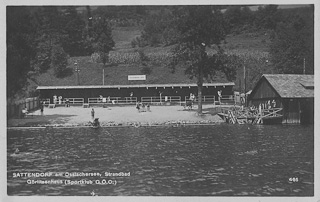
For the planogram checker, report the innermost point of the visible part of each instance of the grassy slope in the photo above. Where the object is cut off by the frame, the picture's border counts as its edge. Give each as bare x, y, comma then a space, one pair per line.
250, 42
91, 73
123, 37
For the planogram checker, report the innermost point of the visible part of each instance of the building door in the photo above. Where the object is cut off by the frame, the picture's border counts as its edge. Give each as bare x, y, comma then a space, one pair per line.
293, 111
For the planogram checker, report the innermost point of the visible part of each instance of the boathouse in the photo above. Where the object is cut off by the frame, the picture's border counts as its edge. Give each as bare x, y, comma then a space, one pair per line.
293, 93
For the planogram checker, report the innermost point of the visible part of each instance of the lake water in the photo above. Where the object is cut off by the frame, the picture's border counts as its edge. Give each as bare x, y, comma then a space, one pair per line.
219, 160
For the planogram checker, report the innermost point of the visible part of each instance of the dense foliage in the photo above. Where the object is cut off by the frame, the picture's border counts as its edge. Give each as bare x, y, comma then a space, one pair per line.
292, 32
292, 48
42, 37
159, 28
59, 61
20, 50
199, 27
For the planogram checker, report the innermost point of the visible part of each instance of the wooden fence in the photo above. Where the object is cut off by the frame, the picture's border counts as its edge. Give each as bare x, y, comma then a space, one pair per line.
14, 110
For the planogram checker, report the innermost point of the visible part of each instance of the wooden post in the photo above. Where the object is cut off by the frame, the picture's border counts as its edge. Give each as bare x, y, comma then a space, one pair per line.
103, 76
299, 113
304, 65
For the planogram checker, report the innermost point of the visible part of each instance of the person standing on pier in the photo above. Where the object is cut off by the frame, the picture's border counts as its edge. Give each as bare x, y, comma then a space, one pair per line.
219, 96
55, 99
92, 114
67, 102
41, 107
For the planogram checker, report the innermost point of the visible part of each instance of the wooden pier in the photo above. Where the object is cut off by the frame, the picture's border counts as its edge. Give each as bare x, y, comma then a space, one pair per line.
254, 116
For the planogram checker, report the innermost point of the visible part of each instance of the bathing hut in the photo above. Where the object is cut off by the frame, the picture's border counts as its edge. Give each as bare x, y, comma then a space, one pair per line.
141, 92
294, 93
125, 84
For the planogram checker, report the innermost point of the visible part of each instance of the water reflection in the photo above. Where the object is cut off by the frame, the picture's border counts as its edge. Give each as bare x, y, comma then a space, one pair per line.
222, 160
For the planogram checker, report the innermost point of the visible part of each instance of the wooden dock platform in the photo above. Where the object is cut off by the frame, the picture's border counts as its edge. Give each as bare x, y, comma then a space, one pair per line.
253, 116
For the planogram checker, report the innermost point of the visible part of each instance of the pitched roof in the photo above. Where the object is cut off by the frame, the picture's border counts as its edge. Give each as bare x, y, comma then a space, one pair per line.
292, 85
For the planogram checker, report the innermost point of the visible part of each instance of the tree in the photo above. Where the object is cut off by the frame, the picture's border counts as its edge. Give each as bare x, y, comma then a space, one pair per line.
233, 17
159, 29
153, 29
199, 27
89, 21
42, 60
104, 57
49, 32
292, 45
75, 41
50, 24
267, 17
20, 48
59, 61
102, 38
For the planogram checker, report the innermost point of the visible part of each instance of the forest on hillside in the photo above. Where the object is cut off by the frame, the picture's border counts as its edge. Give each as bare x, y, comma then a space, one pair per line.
42, 38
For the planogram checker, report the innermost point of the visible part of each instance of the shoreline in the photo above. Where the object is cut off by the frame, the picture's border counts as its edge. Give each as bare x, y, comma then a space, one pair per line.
113, 126
123, 116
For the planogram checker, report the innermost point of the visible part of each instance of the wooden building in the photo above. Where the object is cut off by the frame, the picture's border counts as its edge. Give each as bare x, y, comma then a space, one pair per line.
138, 90
293, 93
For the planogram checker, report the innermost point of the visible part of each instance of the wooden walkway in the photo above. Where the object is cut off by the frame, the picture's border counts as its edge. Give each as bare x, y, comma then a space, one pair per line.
241, 116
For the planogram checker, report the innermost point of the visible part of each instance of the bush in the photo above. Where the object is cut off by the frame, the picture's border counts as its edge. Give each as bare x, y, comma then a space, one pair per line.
95, 57
142, 55
59, 61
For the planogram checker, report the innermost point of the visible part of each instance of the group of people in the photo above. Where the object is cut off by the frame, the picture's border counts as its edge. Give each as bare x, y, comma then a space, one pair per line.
189, 103
59, 100
106, 100
267, 105
141, 107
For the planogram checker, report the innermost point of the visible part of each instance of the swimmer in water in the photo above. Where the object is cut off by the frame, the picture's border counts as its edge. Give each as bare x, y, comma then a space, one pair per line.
16, 151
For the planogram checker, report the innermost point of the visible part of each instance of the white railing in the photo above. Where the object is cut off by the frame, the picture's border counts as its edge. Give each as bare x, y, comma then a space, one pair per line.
162, 99
75, 100
113, 100
93, 100
206, 98
71, 101
125, 100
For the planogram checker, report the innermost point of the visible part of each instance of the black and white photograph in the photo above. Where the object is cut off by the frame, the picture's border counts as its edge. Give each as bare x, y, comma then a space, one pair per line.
171, 101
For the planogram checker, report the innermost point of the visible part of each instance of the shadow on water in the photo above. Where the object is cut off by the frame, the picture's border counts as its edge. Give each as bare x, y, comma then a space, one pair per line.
38, 119
221, 160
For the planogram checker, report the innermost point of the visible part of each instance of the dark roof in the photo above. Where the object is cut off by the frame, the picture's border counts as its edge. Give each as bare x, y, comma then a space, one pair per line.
133, 86
292, 85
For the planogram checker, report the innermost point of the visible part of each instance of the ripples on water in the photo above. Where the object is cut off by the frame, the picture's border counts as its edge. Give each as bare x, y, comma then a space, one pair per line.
221, 160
